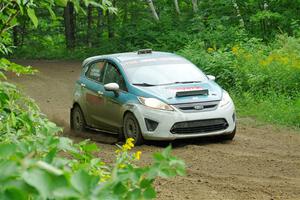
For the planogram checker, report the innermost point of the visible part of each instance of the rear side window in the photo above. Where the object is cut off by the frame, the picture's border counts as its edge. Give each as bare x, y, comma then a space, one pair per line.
95, 71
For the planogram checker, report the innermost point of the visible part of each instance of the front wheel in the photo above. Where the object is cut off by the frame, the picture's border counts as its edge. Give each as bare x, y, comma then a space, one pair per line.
229, 136
77, 120
131, 129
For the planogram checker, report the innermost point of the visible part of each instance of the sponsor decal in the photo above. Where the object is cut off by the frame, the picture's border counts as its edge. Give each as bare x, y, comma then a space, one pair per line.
183, 89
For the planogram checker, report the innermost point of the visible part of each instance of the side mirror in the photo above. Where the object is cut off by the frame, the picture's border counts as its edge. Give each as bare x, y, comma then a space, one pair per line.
113, 87
211, 77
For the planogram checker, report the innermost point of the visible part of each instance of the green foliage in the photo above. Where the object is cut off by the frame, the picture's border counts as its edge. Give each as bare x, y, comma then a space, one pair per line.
264, 78
252, 66
273, 108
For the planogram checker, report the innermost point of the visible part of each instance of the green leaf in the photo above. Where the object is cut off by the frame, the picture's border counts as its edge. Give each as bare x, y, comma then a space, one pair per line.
51, 155
44, 182
146, 183
53, 16
180, 170
15, 194
32, 16
2, 76
65, 144
167, 151
83, 182
6, 150
158, 157
120, 188
49, 168
135, 194
40, 180
149, 193
90, 147
8, 169
62, 3
65, 192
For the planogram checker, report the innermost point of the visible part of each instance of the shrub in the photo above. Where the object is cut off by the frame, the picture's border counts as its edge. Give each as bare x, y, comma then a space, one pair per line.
265, 79
252, 66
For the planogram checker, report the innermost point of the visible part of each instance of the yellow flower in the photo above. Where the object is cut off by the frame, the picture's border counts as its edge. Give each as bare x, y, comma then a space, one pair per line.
137, 155
235, 50
128, 145
129, 141
121, 166
284, 60
248, 56
210, 50
104, 177
263, 63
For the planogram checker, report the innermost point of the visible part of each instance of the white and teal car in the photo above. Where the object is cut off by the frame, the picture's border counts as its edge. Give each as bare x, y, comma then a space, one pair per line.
150, 95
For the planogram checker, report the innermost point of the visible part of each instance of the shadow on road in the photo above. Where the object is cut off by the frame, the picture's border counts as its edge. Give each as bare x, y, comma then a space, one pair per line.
184, 142
106, 138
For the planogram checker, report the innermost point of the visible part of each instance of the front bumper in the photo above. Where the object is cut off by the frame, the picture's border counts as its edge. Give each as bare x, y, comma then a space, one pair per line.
166, 120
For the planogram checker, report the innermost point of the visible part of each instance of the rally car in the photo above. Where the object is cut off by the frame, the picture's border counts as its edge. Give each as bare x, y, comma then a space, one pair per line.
149, 95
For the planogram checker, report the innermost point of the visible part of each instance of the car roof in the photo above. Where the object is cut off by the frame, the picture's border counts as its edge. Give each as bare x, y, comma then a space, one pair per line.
130, 56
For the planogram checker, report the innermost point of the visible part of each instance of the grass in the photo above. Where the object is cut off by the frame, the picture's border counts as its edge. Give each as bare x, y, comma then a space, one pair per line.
275, 109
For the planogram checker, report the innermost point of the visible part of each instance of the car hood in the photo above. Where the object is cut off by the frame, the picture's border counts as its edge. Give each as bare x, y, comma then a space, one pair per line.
167, 93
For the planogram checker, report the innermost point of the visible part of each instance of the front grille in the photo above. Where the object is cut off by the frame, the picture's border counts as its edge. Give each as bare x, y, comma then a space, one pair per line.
197, 107
199, 126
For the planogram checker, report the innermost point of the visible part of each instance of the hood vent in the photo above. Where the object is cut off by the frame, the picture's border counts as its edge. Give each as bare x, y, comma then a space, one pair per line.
192, 93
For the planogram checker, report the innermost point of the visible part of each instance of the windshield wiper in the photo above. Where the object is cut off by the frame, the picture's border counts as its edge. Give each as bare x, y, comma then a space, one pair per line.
182, 82
143, 84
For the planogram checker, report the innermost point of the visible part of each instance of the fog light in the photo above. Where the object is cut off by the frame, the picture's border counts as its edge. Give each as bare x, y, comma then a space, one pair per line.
233, 117
151, 125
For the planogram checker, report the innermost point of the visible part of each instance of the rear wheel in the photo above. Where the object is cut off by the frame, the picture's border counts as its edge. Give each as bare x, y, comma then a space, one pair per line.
131, 129
77, 120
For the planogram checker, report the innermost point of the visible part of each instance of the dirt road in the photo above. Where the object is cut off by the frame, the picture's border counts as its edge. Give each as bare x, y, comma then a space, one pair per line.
263, 162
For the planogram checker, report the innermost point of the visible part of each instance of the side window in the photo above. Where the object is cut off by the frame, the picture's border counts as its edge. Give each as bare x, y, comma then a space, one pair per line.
95, 71
112, 75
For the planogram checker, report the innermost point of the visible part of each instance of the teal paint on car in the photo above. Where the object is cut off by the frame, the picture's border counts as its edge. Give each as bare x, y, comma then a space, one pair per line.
150, 95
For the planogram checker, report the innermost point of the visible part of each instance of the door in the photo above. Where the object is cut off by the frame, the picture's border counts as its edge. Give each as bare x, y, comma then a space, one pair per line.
94, 90
113, 104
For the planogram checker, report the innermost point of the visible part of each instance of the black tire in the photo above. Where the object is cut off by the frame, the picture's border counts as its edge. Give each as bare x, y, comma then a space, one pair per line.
131, 129
78, 124
229, 136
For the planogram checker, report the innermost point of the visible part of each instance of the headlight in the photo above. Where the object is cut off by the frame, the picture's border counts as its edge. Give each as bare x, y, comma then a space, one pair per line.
154, 103
225, 99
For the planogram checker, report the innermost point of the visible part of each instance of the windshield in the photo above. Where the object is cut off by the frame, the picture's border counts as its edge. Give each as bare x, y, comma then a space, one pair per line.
152, 75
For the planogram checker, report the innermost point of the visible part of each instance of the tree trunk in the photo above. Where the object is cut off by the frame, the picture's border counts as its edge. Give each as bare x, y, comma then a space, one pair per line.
100, 22
16, 35
110, 29
195, 6
125, 17
89, 25
177, 7
110, 22
152, 8
237, 9
69, 20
